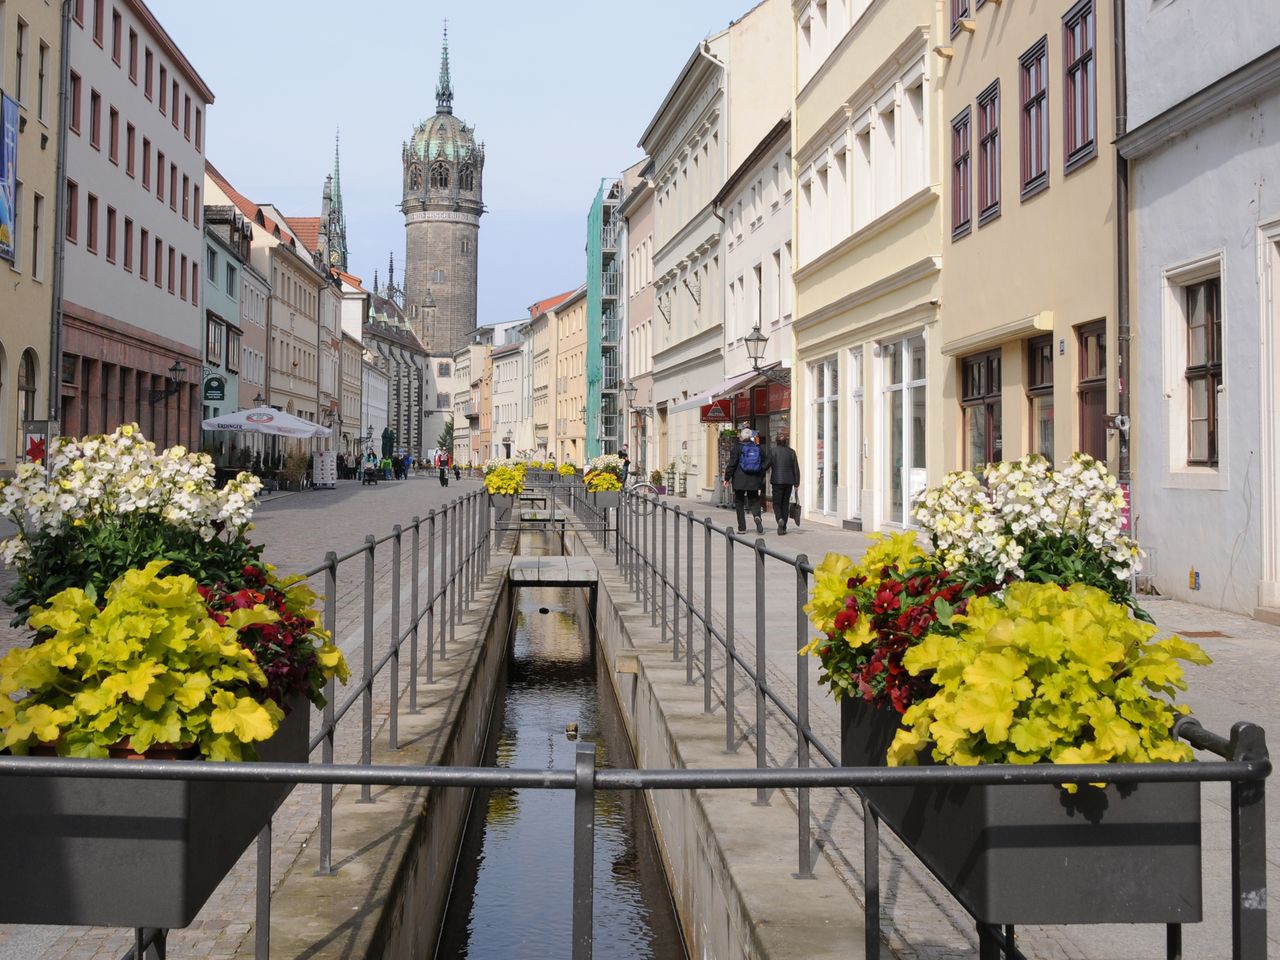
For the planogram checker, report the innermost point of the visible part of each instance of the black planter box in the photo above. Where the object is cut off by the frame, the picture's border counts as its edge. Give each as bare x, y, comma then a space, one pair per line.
1032, 853
132, 853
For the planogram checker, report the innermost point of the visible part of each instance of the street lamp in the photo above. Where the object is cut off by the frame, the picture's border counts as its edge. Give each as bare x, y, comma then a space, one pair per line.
259, 400
175, 382
755, 342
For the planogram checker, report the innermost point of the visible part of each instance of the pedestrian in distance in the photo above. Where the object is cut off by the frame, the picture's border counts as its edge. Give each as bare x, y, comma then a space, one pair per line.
444, 475
457, 471
784, 474
745, 473
626, 465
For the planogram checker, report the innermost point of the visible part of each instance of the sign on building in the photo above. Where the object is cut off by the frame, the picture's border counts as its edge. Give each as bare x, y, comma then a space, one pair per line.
215, 390
8, 176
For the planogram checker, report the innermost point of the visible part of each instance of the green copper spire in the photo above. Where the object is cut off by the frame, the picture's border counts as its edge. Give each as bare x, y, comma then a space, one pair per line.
444, 89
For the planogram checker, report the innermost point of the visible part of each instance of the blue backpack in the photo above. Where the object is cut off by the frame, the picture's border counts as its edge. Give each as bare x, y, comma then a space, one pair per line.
749, 460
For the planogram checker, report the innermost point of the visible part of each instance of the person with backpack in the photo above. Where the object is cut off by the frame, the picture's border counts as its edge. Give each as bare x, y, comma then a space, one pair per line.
784, 473
745, 473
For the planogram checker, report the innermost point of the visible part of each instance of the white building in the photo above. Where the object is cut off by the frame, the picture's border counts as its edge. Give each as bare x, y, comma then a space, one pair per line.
1205, 281
133, 323
508, 399
737, 82
375, 400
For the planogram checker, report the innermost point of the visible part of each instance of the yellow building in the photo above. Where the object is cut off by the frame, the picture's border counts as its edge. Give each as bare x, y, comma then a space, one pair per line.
868, 374
570, 396
1029, 285
30, 59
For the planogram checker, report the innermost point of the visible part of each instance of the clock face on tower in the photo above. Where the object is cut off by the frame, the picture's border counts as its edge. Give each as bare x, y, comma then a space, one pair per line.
333, 257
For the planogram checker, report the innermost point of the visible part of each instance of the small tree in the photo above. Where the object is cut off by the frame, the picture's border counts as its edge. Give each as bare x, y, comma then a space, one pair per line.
445, 439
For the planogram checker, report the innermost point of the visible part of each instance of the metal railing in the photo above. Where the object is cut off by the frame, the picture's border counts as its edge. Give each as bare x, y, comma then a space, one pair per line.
648, 550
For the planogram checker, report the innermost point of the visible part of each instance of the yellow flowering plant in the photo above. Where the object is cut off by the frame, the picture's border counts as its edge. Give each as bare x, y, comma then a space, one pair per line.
153, 666
504, 480
567, 470
599, 481
1046, 674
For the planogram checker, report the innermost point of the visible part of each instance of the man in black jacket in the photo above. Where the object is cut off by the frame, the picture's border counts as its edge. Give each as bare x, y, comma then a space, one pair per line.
784, 467
745, 472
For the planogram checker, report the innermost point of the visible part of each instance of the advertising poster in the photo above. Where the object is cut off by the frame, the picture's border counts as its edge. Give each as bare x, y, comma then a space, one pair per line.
8, 175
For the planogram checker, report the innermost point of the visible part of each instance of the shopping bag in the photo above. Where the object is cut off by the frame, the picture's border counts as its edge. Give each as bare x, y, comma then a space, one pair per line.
793, 511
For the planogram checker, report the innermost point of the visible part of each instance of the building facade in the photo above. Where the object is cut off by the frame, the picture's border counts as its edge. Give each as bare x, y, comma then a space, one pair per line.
349, 427
235, 232
223, 349
541, 332
570, 332
397, 353
508, 379
443, 202
636, 211
375, 402
132, 320
605, 294
30, 125
867, 257
1205, 298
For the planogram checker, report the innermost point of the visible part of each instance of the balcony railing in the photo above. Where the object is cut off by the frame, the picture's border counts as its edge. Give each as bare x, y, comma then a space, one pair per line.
609, 235
611, 284
610, 327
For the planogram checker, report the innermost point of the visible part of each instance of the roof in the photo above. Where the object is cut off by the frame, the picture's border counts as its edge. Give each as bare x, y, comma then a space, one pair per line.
350, 280
246, 206
307, 230
542, 306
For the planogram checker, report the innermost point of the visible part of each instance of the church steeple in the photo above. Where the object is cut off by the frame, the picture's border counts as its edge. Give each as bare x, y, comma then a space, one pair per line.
444, 89
333, 223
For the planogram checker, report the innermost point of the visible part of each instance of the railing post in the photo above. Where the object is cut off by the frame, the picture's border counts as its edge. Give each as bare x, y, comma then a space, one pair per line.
434, 547
366, 705
706, 617
451, 582
688, 607
262, 896
662, 582
652, 520
762, 757
1248, 849
330, 692
675, 586
805, 870
415, 615
393, 728
583, 848
871, 882
730, 645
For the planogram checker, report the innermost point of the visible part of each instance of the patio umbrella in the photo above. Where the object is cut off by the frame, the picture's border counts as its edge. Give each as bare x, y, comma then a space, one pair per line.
266, 420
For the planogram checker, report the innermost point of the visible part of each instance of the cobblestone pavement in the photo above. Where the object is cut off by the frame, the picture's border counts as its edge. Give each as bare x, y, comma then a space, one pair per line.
920, 918
297, 530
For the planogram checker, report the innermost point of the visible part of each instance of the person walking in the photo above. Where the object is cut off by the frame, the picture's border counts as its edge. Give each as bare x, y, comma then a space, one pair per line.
784, 474
745, 473
626, 465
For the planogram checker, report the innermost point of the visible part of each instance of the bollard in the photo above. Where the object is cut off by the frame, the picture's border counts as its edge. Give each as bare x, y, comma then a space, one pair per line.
366, 698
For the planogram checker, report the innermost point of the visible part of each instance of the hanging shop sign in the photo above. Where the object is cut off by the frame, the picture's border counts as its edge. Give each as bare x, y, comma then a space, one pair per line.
718, 412
215, 390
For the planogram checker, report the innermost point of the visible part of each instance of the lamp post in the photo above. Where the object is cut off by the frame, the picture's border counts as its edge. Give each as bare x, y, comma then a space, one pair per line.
630, 390
172, 387
755, 342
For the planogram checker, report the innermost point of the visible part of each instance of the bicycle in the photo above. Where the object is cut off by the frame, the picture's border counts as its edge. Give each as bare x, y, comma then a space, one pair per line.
646, 492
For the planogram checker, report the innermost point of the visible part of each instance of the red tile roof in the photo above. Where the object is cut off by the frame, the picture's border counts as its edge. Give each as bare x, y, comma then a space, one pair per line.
307, 230
350, 280
542, 306
245, 205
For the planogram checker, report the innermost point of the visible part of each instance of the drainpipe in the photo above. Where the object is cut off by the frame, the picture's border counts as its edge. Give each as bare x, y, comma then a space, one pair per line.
1123, 331
59, 221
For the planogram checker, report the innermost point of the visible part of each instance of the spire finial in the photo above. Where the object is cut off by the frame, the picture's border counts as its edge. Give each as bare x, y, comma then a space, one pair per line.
391, 275
444, 89
337, 171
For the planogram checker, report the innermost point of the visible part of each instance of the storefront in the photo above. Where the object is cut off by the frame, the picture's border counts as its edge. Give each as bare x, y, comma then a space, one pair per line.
759, 401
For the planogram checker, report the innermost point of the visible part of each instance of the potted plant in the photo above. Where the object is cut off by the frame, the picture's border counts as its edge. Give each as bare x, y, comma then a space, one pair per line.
1014, 640
603, 480
504, 481
659, 482
202, 653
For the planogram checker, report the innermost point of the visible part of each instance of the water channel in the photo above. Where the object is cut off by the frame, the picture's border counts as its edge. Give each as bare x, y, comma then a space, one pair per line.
512, 889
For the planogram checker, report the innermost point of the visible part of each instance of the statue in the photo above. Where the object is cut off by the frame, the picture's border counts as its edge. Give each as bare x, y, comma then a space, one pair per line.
388, 442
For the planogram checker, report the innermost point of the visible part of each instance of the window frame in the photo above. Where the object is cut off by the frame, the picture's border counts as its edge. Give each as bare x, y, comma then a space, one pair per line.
1038, 387
960, 10
1089, 384
1031, 65
989, 169
962, 174
1078, 65
986, 403
1210, 371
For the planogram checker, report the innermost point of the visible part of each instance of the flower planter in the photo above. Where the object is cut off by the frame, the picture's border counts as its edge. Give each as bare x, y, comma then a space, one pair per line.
502, 505
605, 498
1032, 853
133, 853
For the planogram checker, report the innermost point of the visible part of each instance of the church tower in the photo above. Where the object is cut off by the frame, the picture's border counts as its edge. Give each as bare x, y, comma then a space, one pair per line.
443, 202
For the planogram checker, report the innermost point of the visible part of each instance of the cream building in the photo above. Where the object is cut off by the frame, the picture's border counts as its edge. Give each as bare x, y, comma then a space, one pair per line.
730, 92
1029, 339
868, 245
569, 390
375, 401
30, 58
636, 212
348, 428
508, 379
544, 348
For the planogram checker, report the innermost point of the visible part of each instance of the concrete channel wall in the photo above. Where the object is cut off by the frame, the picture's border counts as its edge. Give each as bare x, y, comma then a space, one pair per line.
394, 857
730, 864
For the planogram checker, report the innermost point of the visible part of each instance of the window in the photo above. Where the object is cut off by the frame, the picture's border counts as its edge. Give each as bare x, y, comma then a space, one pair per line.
1040, 394
133, 57
95, 120
182, 277
111, 234
195, 207
961, 205
989, 153
825, 435
195, 283
186, 116
98, 24
144, 250
91, 225
146, 164
437, 276
37, 236
233, 351
173, 186
211, 262
113, 136
160, 175
74, 94
27, 385
1203, 310
173, 103
959, 11
18, 226
130, 144
186, 197
442, 369
128, 245
199, 129
213, 342
980, 400
173, 269
1081, 98
231, 279
1092, 344
117, 30
158, 262
77, 12
466, 246
439, 176
42, 81
164, 89
906, 422
1034, 95
148, 68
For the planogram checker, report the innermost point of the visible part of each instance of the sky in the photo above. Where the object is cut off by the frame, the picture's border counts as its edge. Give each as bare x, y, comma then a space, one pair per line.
559, 91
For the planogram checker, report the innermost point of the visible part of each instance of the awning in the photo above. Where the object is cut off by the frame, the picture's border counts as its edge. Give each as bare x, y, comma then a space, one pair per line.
727, 387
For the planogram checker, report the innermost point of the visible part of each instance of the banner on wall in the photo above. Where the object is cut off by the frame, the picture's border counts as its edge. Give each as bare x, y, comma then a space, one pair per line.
8, 175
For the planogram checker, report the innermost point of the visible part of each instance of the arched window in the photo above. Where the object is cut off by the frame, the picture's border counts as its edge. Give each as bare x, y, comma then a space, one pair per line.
26, 388
415, 177
439, 175
467, 179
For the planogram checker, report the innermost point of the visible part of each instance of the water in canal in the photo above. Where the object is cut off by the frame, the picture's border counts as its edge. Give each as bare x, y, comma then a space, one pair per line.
512, 892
